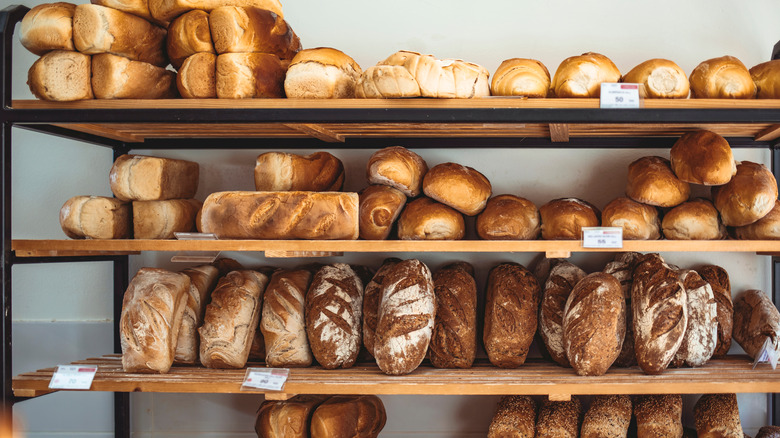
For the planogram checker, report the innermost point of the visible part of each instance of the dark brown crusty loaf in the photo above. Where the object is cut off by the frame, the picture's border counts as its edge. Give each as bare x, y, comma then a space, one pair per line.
718, 278
354, 416
145, 178
95, 217
717, 416
769, 432
622, 268
515, 417
48, 27
286, 419
189, 34
511, 308
282, 323
406, 316
509, 217
282, 171
249, 29
203, 278
755, 319
397, 167
701, 332
454, 339
608, 417
559, 419
659, 416
372, 296
334, 304
560, 282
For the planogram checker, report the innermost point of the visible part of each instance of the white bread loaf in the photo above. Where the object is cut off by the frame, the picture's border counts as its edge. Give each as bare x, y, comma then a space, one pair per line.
358, 416
703, 157
145, 178
701, 332
282, 171
167, 10
561, 281
521, 77
509, 217
725, 77
248, 29
426, 219
638, 221
61, 75
161, 219
135, 7
203, 278
564, 218
188, 34
766, 228
749, 196
48, 27
322, 73
660, 78
197, 77
95, 217
652, 181
283, 324
116, 77
581, 76
245, 75
286, 419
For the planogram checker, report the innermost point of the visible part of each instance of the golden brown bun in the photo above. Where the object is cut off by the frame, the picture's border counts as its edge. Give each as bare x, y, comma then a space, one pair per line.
282, 171
766, 228
563, 219
248, 29
116, 77
426, 219
356, 416
397, 167
696, 219
386, 82
288, 418
167, 10
581, 76
161, 219
722, 78
509, 217
766, 76
460, 187
703, 157
379, 208
322, 73
95, 217
245, 75
48, 27
187, 35
197, 77
639, 221
521, 77
652, 181
749, 196
717, 415
61, 75
661, 78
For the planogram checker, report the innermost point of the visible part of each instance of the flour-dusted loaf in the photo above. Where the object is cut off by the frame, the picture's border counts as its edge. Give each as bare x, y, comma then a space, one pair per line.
511, 307
61, 75
283, 323
353, 416
756, 319
564, 218
152, 310
397, 167
659, 416
697, 219
560, 282
703, 157
250, 75
249, 29
406, 316
717, 416
608, 417
509, 217
282, 171
725, 77
515, 417
145, 178
203, 278
167, 10
765, 76
380, 206
660, 78
426, 219
454, 339
197, 77
521, 77
638, 221
766, 228
718, 279
333, 315
288, 418
322, 73
189, 34
652, 181
372, 296
559, 419
582, 76
116, 77
161, 219
95, 217
48, 27
461, 187
281, 215
701, 333
750, 195
622, 268
231, 319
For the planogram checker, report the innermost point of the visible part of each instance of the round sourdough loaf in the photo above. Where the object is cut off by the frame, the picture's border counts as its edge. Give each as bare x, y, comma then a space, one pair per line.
563, 219
703, 157
766, 228
750, 195
661, 78
638, 221
460, 187
521, 77
322, 73
582, 76
509, 217
426, 219
652, 181
725, 77
696, 219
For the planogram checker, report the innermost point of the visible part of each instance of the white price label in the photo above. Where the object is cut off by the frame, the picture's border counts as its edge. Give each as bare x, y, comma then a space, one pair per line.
265, 378
602, 237
619, 95
73, 377
768, 353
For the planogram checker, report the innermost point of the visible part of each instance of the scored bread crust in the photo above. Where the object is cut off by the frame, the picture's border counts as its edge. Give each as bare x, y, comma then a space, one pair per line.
48, 27
203, 279
282, 323
454, 338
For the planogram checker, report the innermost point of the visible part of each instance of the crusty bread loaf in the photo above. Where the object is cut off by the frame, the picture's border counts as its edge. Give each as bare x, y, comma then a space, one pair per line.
768, 432
725, 77
559, 419
749, 196
136, 7
386, 82
227, 265
542, 267
322, 73
188, 34
161, 219
203, 278
250, 29
61, 75
354, 416
608, 417
372, 296
406, 316
397, 167
282, 321
718, 279
197, 77
286, 419
95, 217
145, 178
581, 76
250, 75
509, 217
639, 221
426, 219
380, 206
765, 76
116, 77
701, 332
231, 319
515, 417
560, 282
460, 187
521, 77
703, 157
659, 416
48, 27
511, 307
167, 10
766, 228
282, 171
755, 319
622, 268
696, 219
717, 416
152, 310
652, 181
564, 218
454, 338
660, 78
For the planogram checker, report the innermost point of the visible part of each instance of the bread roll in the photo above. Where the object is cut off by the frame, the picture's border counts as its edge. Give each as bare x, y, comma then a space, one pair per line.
722, 78
48, 27
701, 332
581, 76
448, 78
755, 319
766, 228
521, 77
282, 171
349, 416
426, 219
696, 219
286, 419
61, 75
460, 187
116, 77
608, 417
322, 73
765, 76
652, 181
769, 432
250, 75
559, 419
515, 417
406, 316
622, 268
282, 322
145, 178
562, 279
454, 339
152, 310
139, 8
511, 307
203, 278
372, 296
638, 221
189, 34
718, 278
161, 219
658, 416
167, 10
703, 157
397, 167
281, 215
564, 218
95, 217
250, 29
749, 196
380, 206
717, 416
508, 217
661, 78
197, 77
386, 82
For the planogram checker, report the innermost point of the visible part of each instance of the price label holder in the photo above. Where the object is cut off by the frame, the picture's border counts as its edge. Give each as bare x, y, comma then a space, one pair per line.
195, 256
602, 237
619, 95
265, 378
73, 377
767, 354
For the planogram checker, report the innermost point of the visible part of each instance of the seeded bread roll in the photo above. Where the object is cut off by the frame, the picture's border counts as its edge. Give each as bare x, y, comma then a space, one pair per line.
116, 77
282, 171
581, 76
718, 278
380, 206
638, 221
563, 219
249, 29
659, 416
189, 34
701, 333
561, 281
372, 296
652, 181
509, 217
250, 75
608, 417
397, 167
766, 228
661, 78
203, 278
559, 419
322, 73
722, 78
95, 217
167, 10
765, 76
448, 78
703, 157
161, 219
286, 419
515, 417
749, 196
717, 416
696, 219
426, 219
61, 75
48, 27
460, 187
454, 338
622, 268
521, 77
145, 178
282, 322
755, 319
354, 416
197, 77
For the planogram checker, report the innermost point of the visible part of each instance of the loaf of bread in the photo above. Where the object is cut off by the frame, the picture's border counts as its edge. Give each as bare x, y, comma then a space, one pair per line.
167, 10
749, 196
717, 415
282, 171
581, 76
405, 319
659, 416
509, 217
515, 417
231, 319
61, 75
756, 319
718, 279
560, 282
152, 310
116, 77
701, 332
145, 178
372, 296
197, 77
559, 419
564, 218
250, 29
189, 34
397, 167
48, 27
227, 265
354, 416
521, 77
511, 307
460, 187
638, 221
660, 78
281, 215
161, 219
282, 321
250, 75
139, 8
203, 278
286, 419
386, 82
454, 338
426, 219
703, 157
652, 181
95, 217
660, 313
766, 228
608, 417
622, 268
765, 76
380, 206
722, 78
322, 73
768, 432
696, 219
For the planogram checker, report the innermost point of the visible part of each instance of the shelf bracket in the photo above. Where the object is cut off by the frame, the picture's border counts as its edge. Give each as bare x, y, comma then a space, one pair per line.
559, 132
768, 134
317, 131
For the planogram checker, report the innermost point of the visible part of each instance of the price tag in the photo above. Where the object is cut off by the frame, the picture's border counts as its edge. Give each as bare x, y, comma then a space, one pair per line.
73, 377
265, 378
195, 256
602, 237
768, 353
619, 95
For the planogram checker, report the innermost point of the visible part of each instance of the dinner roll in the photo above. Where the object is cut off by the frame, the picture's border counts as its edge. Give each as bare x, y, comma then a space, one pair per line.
696, 219
563, 219
661, 78
651, 181
426, 219
749, 196
581, 76
703, 157
398, 167
521, 77
722, 78
639, 221
508, 217
462, 188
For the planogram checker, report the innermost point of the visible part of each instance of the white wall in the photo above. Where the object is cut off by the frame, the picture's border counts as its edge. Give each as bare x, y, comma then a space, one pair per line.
62, 312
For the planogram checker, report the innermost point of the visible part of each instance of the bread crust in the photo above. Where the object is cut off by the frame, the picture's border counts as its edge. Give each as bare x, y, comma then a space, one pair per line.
765, 76
161, 219
748, 197
509, 217
167, 10
717, 415
237, 29
454, 339
380, 206
564, 218
515, 417
197, 77
559, 419
426, 219
718, 279
322, 73
356, 416
95, 217
766, 228
287, 419
697, 219
652, 181
116, 77
61, 75
48, 27
203, 279
282, 322
581, 76
701, 332
250, 75
638, 221
397, 167
659, 415
608, 417
461, 187
561, 281
281, 171
661, 79
372, 296
521, 77
755, 319
725, 77
146, 178
188, 34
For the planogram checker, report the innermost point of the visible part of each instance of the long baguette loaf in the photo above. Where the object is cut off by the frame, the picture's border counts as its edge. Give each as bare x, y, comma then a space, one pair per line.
116, 77
372, 296
560, 282
718, 278
167, 10
61, 75
202, 281
187, 35
48, 27
249, 29
95, 217
283, 324
701, 333
454, 339
144, 178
